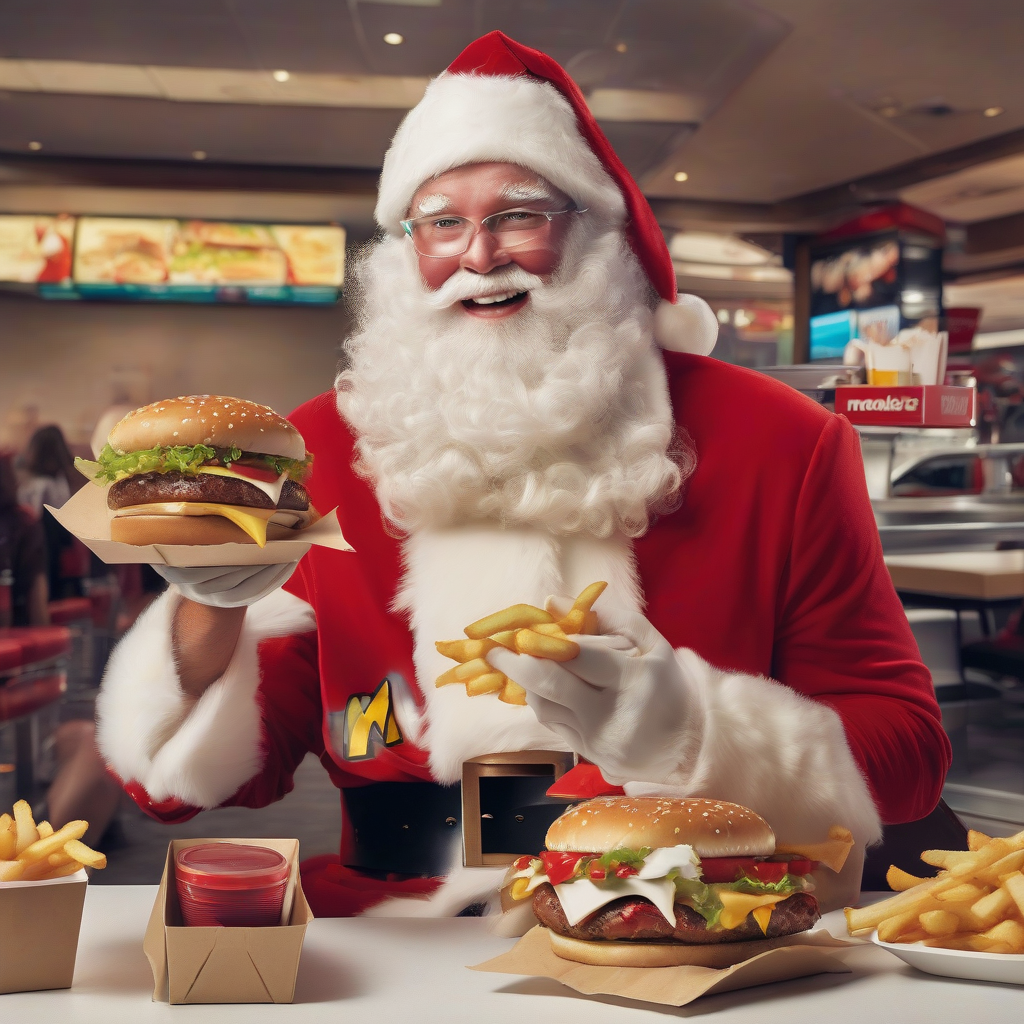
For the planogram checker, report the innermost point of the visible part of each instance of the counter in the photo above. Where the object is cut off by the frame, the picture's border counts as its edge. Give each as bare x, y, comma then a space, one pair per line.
413, 970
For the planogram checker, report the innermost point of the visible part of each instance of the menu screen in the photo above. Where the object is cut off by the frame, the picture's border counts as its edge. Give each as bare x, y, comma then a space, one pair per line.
207, 261
35, 249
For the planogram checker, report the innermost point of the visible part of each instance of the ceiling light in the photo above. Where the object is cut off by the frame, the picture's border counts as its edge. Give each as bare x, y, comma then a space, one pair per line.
680, 176
198, 154
723, 316
394, 38
35, 145
281, 76
993, 111
621, 47
889, 111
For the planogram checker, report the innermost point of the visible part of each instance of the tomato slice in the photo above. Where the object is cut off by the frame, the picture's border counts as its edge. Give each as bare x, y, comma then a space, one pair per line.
560, 867
729, 869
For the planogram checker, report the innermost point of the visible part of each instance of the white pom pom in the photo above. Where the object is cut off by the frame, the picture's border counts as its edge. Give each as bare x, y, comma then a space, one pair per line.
688, 326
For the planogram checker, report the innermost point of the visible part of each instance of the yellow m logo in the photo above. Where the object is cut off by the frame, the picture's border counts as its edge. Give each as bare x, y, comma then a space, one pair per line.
365, 715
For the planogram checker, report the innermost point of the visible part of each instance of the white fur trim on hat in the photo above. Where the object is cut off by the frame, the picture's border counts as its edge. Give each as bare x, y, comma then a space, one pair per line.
468, 119
688, 326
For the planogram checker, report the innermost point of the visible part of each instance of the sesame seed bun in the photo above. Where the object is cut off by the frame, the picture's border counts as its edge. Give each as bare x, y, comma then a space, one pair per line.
215, 420
714, 828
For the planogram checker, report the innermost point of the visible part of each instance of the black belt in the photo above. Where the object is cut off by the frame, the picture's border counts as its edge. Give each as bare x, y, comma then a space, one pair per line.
415, 828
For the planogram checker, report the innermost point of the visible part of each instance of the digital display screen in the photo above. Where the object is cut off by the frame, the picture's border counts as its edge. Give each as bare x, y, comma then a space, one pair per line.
35, 249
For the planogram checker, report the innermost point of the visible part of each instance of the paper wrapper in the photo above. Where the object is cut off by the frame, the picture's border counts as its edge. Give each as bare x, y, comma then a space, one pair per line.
86, 516
792, 956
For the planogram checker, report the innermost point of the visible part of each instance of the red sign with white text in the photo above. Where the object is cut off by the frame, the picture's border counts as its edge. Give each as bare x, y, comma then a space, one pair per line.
918, 405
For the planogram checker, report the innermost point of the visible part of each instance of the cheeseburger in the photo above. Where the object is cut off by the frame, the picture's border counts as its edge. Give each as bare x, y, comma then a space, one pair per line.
646, 881
204, 469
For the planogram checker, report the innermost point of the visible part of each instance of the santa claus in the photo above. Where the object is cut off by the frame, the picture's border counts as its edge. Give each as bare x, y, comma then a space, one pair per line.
506, 429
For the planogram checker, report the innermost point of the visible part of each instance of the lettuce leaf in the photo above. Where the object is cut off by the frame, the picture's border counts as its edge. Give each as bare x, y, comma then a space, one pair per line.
631, 858
112, 466
785, 885
701, 897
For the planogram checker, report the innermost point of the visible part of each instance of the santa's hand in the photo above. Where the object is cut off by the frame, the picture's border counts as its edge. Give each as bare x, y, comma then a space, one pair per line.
227, 586
622, 703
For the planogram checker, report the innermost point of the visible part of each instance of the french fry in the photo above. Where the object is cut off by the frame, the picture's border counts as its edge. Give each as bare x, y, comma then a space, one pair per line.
42, 848
8, 838
27, 832
946, 858
471, 669
489, 682
448, 677
585, 602
893, 927
918, 899
550, 629
976, 840
965, 892
939, 922
11, 870
573, 621
44, 828
1005, 865
899, 880
464, 650
1015, 887
993, 908
506, 639
43, 872
85, 855
1010, 932
512, 693
551, 647
518, 616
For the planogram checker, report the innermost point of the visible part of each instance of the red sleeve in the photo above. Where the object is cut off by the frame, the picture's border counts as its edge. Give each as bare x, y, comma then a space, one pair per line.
291, 720
843, 637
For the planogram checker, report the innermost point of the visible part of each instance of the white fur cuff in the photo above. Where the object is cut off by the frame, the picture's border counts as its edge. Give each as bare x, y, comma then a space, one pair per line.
145, 729
769, 748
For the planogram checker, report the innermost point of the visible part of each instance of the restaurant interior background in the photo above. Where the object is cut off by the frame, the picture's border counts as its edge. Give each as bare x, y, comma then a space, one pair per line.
136, 138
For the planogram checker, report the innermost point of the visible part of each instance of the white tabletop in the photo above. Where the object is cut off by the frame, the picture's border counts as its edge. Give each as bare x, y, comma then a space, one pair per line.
395, 971
983, 575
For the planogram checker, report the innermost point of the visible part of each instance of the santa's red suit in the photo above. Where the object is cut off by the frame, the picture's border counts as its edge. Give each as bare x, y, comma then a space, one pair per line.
803, 693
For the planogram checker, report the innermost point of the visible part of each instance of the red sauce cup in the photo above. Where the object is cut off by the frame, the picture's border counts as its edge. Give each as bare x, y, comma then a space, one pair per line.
230, 885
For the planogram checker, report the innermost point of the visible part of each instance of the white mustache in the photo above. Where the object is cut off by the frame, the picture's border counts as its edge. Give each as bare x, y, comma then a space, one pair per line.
464, 284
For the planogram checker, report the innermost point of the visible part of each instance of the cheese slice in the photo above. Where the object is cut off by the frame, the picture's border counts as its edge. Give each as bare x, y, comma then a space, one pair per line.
736, 905
252, 520
581, 898
536, 878
271, 490
661, 861
762, 915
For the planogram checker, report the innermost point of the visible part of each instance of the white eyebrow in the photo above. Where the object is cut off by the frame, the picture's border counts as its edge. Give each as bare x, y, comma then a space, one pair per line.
526, 193
430, 205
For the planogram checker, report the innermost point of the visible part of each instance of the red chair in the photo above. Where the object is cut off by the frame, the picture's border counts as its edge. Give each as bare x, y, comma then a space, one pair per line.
33, 678
76, 613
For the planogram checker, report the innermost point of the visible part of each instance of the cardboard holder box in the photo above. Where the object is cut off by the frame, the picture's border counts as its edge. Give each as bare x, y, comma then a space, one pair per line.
39, 925
226, 965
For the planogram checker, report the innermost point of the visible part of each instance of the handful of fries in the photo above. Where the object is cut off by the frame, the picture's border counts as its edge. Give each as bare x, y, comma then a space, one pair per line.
35, 853
976, 902
524, 629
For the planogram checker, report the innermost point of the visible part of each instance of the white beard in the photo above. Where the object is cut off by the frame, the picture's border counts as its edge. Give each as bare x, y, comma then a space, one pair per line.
519, 455
557, 417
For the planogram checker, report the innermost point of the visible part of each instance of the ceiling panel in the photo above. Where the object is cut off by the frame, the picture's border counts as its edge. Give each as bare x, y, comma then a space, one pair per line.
200, 33
434, 36
101, 126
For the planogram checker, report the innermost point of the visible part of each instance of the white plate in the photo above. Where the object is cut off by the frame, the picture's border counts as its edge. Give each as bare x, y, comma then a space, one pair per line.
1007, 968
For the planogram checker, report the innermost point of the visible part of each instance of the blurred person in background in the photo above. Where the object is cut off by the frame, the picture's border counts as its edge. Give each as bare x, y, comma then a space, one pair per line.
50, 479
23, 588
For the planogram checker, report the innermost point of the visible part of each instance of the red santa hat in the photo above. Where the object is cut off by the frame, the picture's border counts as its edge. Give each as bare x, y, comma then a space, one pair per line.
501, 101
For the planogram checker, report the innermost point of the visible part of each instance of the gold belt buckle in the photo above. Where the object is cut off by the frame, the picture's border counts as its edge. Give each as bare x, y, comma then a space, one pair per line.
526, 763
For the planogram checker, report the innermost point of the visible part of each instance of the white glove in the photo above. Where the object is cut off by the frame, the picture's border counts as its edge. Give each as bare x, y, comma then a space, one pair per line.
623, 703
227, 586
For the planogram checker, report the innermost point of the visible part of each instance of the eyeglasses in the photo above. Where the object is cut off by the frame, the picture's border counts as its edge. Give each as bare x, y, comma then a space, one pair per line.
443, 236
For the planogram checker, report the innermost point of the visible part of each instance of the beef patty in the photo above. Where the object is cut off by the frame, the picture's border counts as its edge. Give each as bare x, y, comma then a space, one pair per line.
223, 490
636, 919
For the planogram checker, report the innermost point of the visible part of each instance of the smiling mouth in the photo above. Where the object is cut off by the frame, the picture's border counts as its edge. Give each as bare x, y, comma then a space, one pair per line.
499, 301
